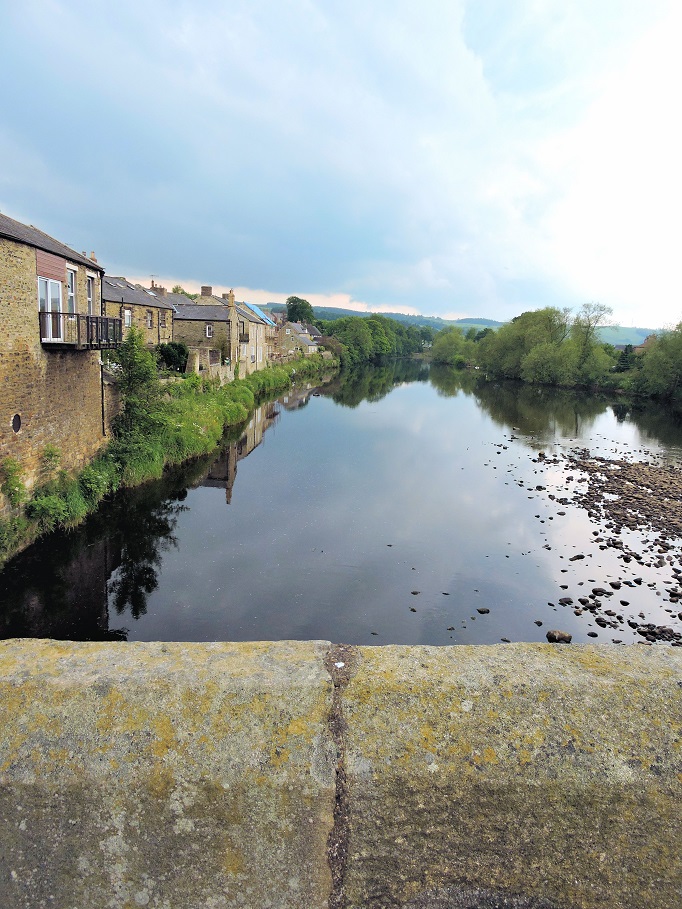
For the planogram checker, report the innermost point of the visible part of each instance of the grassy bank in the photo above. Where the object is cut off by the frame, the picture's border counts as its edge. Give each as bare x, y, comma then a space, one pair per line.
158, 427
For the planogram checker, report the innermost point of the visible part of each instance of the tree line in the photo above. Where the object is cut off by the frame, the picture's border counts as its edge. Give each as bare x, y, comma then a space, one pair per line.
362, 339
551, 347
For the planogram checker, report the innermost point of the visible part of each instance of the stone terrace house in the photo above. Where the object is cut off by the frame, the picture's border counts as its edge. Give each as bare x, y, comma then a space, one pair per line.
219, 329
207, 326
147, 310
294, 339
52, 388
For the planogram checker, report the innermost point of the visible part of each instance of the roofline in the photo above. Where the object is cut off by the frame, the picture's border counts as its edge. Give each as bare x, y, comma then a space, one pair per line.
67, 252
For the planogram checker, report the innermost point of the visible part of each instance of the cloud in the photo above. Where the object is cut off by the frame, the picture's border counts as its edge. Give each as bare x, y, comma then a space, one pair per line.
458, 157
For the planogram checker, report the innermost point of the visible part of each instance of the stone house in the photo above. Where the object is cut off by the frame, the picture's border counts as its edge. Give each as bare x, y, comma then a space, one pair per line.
206, 328
147, 310
53, 394
220, 330
294, 340
252, 341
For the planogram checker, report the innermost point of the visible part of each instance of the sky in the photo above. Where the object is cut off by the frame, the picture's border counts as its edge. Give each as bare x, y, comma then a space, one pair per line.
447, 157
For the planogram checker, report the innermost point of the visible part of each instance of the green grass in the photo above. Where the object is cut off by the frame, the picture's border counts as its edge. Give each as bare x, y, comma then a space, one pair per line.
185, 421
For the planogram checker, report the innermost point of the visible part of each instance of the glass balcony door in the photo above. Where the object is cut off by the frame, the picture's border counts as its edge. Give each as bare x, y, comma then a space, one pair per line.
50, 304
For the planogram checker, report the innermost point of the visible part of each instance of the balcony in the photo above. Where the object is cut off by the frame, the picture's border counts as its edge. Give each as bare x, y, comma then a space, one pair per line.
243, 337
79, 332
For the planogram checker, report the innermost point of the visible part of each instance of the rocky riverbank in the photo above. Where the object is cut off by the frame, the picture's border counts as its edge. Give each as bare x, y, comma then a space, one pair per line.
638, 507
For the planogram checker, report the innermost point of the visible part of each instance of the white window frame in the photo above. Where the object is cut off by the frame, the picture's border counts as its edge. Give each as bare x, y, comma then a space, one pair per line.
243, 350
149, 318
71, 285
90, 284
209, 330
127, 318
51, 329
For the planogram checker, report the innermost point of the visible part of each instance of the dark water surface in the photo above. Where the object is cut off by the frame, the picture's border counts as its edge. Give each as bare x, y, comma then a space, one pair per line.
382, 508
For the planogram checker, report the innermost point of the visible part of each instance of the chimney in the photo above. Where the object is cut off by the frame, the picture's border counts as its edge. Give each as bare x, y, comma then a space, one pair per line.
206, 290
160, 291
93, 257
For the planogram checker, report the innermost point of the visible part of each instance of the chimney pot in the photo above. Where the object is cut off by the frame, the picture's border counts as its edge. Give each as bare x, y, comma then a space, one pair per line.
93, 257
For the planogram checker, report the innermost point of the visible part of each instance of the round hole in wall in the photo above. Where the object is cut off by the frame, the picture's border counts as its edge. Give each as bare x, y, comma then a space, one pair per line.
16, 422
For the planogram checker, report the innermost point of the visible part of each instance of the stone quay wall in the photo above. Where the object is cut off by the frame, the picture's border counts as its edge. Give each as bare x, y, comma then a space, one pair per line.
305, 775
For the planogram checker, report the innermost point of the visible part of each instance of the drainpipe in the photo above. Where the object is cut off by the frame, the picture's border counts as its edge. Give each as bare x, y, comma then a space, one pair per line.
102, 310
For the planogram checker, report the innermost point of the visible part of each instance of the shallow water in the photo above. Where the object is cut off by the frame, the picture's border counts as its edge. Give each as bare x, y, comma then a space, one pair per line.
387, 507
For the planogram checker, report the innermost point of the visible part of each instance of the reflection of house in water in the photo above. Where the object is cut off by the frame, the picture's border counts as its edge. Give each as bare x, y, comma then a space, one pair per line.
223, 471
298, 396
61, 593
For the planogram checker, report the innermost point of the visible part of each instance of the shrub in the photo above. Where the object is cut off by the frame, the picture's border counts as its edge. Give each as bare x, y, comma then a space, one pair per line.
11, 485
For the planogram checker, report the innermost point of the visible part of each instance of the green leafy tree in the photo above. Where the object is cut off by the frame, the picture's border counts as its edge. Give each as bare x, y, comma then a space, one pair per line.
138, 383
661, 372
299, 310
584, 330
452, 348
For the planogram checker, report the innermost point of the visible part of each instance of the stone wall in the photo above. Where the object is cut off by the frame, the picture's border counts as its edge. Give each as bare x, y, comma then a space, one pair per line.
156, 334
57, 394
193, 333
293, 774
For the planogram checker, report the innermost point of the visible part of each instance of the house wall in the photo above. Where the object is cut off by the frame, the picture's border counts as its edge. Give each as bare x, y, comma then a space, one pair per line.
56, 393
253, 353
193, 333
157, 334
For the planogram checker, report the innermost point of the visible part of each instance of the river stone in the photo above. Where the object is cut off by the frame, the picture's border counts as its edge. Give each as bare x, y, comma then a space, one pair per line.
559, 637
548, 773
165, 775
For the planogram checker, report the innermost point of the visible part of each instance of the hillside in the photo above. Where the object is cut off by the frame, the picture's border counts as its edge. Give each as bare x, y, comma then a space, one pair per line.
610, 334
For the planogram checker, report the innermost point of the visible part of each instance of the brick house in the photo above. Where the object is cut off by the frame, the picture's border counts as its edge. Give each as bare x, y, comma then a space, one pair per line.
52, 327
147, 310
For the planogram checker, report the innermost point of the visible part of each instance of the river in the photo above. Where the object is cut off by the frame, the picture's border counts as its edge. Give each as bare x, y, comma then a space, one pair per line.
395, 505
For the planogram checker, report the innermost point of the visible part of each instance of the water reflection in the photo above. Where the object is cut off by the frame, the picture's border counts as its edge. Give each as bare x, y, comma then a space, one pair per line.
351, 388
331, 527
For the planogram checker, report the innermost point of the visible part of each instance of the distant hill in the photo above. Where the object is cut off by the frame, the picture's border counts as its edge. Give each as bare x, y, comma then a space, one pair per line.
614, 334
330, 313
610, 334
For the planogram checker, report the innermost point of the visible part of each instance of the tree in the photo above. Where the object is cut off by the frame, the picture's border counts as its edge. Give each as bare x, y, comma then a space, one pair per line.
584, 329
661, 372
450, 346
299, 310
138, 383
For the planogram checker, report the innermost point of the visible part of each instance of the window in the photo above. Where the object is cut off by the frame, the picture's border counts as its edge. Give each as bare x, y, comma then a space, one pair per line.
127, 317
260, 354
91, 295
70, 290
50, 305
288, 331
209, 330
162, 319
243, 350
150, 319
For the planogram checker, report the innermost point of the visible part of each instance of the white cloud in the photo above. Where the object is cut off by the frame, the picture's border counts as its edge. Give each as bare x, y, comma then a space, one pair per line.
461, 156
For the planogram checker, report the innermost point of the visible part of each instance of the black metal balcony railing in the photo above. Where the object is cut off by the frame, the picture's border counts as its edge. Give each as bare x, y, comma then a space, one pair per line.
243, 337
67, 329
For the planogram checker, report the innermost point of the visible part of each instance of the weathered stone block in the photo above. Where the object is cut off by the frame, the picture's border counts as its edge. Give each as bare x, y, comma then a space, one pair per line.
550, 772
164, 775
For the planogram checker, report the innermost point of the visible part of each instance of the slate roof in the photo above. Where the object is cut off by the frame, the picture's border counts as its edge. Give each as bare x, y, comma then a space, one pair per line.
200, 312
31, 236
120, 290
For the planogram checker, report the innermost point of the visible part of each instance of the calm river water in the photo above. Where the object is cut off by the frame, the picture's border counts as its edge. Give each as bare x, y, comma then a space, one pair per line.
385, 507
